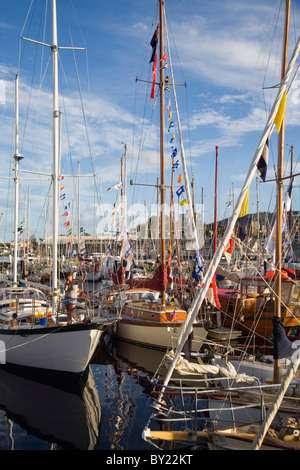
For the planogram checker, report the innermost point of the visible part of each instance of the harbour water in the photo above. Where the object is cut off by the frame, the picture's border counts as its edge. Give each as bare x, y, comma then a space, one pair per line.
108, 412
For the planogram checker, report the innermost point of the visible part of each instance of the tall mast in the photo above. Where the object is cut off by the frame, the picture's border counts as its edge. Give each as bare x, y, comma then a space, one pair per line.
17, 158
278, 247
78, 209
122, 220
216, 204
162, 169
55, 181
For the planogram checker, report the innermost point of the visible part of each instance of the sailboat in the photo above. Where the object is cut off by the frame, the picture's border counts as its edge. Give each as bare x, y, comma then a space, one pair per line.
258, 299
265, 433
40, 345
147, 318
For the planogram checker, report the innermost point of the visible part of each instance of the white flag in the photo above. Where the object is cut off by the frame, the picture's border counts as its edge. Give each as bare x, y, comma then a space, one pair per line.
115, 186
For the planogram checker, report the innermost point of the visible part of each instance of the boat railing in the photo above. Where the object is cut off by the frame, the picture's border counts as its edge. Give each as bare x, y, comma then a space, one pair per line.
193, 408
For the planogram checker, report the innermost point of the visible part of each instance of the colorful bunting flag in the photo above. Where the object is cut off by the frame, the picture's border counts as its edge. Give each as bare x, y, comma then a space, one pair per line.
262, 163
170, 125
174, 153
180, 179
244, 208
280, 112
175, 165
115, 186
153, 44
180, 191
154, 68
166, 82
173, 315
242, 219
164, 57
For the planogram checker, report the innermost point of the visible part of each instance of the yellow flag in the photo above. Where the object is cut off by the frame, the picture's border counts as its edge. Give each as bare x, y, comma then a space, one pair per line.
280, 113
183, 202
180, 179
244, 208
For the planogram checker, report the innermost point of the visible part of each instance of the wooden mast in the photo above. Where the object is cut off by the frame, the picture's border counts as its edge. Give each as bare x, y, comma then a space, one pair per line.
122, 222
162, 168
278, 246
216, 193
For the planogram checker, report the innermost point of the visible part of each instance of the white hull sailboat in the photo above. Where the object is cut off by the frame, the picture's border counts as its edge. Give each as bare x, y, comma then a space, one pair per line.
58, 348
47, 345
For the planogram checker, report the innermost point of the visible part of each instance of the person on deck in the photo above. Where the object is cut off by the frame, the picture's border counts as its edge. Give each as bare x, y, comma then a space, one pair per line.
71, 293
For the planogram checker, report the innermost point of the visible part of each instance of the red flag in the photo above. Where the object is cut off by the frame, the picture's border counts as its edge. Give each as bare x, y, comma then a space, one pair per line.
212, 293
228, 250
154, 68
215, 291
66, 223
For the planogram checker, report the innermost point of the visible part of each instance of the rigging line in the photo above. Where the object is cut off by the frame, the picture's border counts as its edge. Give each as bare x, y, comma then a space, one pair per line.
27, 118
146, 49
20, 40
65, 121
145, 127
32, 341
69, 153
42, 211
184, 81
275, 21
247, 248
44, 36
92, 158
133, 129
84, 43
8, 196
277, 8
247, 95
294, 18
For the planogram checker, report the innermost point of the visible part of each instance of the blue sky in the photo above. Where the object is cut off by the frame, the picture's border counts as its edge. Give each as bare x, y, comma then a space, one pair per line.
225, 52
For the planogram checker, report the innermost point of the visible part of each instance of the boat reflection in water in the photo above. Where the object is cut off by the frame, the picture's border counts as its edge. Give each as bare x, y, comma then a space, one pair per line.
140, 364
67, 417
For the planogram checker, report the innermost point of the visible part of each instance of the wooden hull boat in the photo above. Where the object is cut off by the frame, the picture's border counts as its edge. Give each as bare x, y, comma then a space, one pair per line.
252, 307
143, 321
